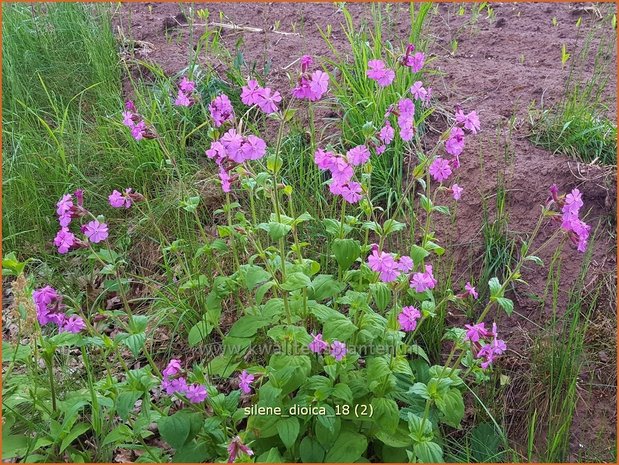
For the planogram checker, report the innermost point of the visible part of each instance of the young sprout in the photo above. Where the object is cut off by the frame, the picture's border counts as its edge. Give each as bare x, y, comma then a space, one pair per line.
555, 23
564, 55
454, 47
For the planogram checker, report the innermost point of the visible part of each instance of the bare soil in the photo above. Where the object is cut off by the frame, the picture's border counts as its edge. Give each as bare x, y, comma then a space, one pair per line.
500, 67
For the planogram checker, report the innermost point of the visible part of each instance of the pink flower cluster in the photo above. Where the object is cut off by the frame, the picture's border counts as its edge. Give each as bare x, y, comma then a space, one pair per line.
337, 349
406, 119
570, 204
186, 89
124, 199
342, 171
414, 61
133, 120
423, 281
245, 380
66, 209
263, 97
310, 86
174, 384
233, 148
421, 93
491, 349
385, 136
50, 309
408, 318
221, 110
387, 265
377, 71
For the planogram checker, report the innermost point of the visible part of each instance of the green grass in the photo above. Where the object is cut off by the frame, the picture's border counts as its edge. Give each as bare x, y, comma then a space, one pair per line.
579, 126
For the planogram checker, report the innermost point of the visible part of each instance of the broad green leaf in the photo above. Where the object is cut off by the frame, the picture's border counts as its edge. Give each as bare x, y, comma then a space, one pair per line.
386, 414
198, 332
295, 281
451, 405
428, 452
506, 304
311, 451
288, 430
346, 251
348, 447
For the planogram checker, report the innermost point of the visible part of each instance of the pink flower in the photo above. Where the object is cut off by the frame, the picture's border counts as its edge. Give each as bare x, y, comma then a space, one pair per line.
64, 208
408, 318
225, 178
573, 202
454, 145
128, 119
318, 345
490, 351
175, 386
476, 332
130, 106
440, 169
73, 324
386, 134
232, 142
405, 264
379, 73
221, 110
338, 350
415, 62
470, 121
341, 171
138, 131
306, 62
245, 380
350, 191
253, 148
173, 368
182, 100
358, 155
48, 305
251, 92
324, 160
577, 229
95, 231
64, 240
418, 91
384, 264
186, 85
267, 102
236, 447
456, 191
470, 290
406, 121
217, 152
196, 393
118, 200
319, 84
423, 281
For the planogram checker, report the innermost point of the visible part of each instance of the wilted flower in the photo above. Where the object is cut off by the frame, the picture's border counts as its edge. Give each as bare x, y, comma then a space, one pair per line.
470, 290
236, 447
456, 191
318, 344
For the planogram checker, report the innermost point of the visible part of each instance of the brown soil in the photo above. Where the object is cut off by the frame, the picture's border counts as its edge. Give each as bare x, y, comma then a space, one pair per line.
501, 66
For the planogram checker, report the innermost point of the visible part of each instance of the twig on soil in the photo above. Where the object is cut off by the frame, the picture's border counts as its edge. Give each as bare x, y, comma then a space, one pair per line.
236, 27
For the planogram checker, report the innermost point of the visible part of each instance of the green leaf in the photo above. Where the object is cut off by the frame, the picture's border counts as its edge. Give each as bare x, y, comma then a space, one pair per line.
191, 453
255, 275
418, 254
506, 304
534, 259
288, 430
135, 343
75, 432
420, 389
247, 326
425, 203
441, 209
200, 282
346, 251
391, 226
428, 452
276, 230
434, 247
125, 403
451, 406
386, 414
121, 433
190, 204
198, 332
338, 328
495, 287
342, 391
175, 429
311, 451
324, 286
348, 447
296, 281
381, 294
270, 456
